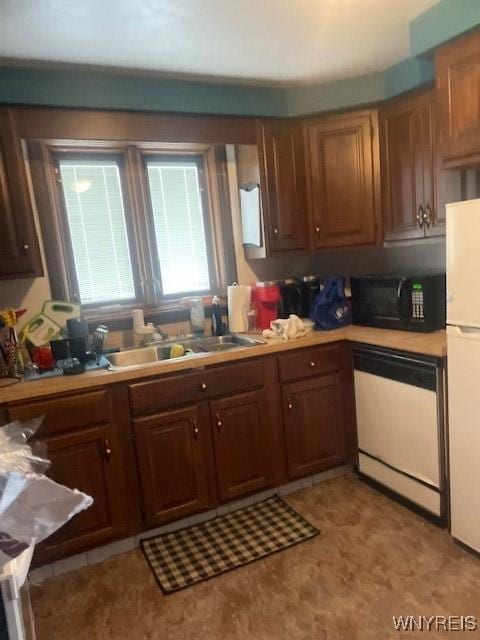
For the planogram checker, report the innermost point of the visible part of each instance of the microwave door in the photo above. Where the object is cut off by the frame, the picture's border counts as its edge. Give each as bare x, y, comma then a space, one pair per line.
403, 301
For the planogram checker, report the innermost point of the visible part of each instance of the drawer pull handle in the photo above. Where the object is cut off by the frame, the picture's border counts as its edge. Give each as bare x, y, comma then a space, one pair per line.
219, 421
108, 451
196, 430
203, 386
289, 404
312, 364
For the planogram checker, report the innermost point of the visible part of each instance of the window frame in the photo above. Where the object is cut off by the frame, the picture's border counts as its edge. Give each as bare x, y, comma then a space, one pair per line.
71, 273
132, 158
208, 221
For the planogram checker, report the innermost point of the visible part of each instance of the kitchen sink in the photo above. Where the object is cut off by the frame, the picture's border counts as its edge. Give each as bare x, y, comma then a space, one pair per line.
134, 358
220, 343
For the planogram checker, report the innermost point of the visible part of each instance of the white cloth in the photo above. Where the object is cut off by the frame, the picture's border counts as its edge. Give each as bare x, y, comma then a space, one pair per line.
287, 329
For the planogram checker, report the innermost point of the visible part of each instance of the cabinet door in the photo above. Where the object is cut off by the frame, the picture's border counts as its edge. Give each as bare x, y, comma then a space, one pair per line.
458, 86
88, 460
19, 251
405, 150
447, 183
342, 169
283, 176
241, 448
172, 453
314, 425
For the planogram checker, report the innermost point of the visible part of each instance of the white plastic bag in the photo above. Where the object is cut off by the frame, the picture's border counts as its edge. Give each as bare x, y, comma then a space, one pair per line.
32, 506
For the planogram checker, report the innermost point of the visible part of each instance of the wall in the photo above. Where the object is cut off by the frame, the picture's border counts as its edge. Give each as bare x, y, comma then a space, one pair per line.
100, 90
105, 90
430, 255
443, 21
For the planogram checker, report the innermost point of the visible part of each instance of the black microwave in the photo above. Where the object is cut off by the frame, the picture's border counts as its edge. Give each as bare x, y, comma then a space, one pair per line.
409, 303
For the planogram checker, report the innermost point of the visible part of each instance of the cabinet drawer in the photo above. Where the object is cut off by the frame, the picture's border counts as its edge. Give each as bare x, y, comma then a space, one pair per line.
309, 362
188, 388
65, 414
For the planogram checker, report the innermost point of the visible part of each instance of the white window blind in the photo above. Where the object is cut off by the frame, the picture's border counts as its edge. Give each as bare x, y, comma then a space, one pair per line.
96, 220
179, 226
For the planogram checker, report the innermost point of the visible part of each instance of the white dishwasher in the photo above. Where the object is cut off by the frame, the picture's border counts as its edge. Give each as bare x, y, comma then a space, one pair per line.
401, 444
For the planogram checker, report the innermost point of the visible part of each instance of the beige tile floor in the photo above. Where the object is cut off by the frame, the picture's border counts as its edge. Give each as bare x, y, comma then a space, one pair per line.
374, 559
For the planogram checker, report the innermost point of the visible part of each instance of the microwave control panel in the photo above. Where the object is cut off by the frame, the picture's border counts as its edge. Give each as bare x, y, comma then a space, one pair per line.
417, 301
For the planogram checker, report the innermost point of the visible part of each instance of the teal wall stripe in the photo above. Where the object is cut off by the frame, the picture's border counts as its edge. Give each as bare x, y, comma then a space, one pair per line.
348, 92
100, 90
442, 22
407, 75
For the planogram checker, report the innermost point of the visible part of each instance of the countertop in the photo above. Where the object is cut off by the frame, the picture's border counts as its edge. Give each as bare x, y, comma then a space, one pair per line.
433, 344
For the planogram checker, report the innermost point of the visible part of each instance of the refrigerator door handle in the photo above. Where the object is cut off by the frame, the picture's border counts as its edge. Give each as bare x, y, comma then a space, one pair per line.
459, 331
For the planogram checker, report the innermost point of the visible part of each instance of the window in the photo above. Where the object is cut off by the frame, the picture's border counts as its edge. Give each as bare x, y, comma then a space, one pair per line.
133, 225
179, 225
98, 235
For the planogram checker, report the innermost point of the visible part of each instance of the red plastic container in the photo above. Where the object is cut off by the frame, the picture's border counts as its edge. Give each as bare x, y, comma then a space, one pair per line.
266, 296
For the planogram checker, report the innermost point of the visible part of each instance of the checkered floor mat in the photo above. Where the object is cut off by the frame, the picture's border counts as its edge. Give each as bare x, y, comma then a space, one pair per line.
183, 558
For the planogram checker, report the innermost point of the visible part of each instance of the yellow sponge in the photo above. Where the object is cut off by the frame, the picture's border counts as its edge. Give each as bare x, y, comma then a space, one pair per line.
177, 350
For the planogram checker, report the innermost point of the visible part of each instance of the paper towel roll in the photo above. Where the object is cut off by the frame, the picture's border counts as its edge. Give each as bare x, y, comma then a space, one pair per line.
238, 297
138, 319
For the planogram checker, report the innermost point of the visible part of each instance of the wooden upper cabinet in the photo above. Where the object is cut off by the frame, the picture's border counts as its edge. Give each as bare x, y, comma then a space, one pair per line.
414, 185
342, 159
241, 444
458, 86
282, 170
407, 161
19, 250
173, 460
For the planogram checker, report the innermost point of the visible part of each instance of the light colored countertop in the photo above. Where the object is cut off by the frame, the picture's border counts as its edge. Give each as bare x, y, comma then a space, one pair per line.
433, 344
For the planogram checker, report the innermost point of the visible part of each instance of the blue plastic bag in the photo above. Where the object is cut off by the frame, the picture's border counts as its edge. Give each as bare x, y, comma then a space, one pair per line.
330, 308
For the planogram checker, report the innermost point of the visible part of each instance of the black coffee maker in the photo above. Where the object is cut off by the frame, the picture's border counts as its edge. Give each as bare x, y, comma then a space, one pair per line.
310, 287
291, 298
297, 295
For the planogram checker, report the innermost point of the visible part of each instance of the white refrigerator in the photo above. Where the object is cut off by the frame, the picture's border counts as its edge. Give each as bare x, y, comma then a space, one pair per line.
463, 362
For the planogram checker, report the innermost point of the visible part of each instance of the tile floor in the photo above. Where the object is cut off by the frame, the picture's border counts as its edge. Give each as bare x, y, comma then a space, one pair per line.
374, 559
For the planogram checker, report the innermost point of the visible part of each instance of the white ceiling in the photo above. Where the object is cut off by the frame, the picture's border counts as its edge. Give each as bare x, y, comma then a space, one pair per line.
271, 41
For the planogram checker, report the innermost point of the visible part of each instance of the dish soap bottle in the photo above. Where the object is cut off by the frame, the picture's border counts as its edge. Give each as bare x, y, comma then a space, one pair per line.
217, 324
197, 316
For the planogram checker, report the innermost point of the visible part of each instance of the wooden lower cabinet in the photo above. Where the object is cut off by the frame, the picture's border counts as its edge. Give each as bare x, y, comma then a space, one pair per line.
173, 453
223, 436
240, 438
87, 460
314, 425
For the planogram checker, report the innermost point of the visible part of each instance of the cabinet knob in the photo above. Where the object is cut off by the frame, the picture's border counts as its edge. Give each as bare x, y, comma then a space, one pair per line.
289, 404
196, 430
312, 364
420, 216
275, 231
219, 420
203, 386
427, 215
107, 451
317, 229
26, 246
